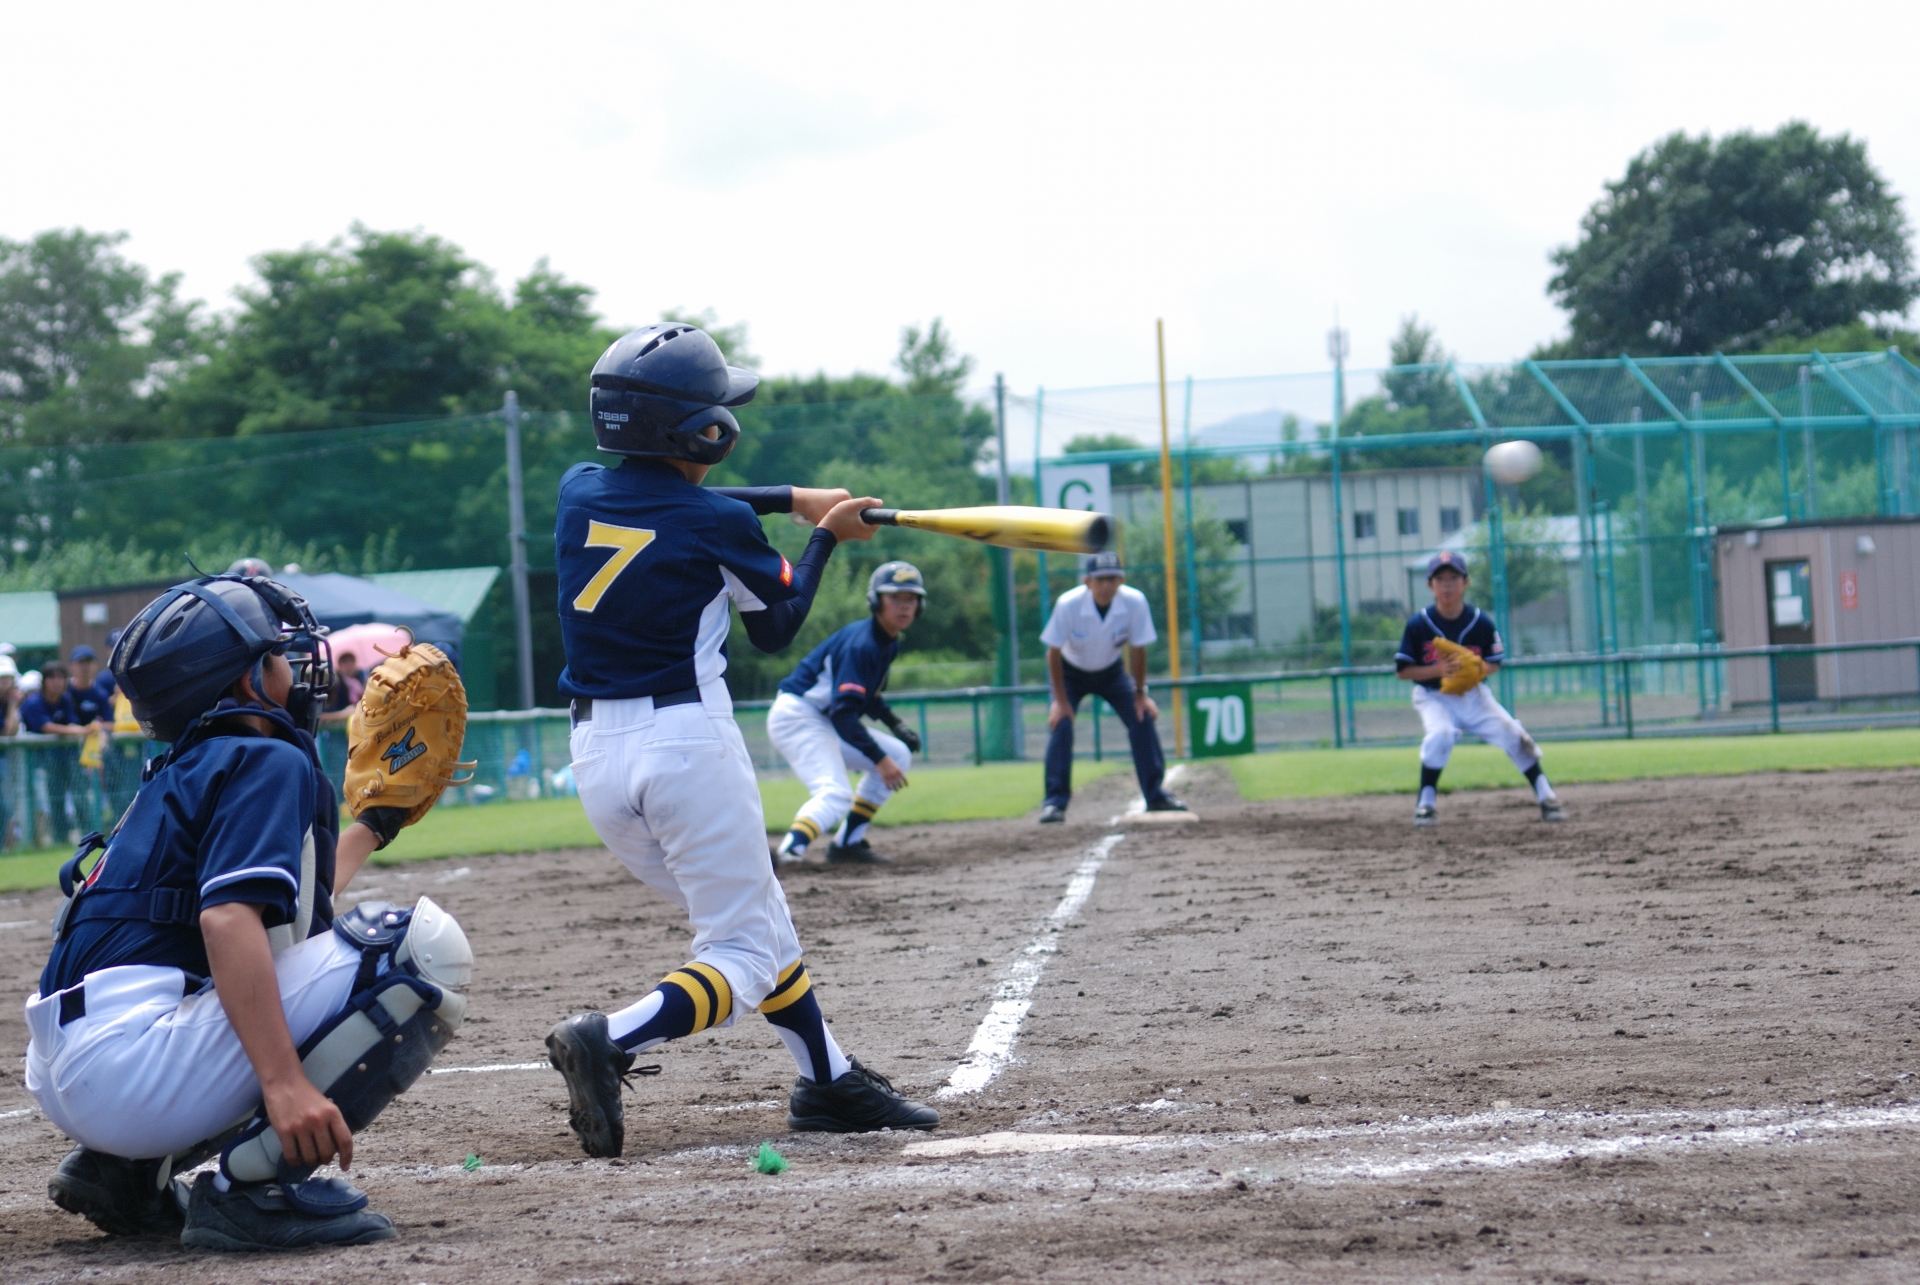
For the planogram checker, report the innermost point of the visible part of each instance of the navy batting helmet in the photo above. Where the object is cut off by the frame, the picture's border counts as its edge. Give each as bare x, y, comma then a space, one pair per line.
658, 386
895, 577
188, 647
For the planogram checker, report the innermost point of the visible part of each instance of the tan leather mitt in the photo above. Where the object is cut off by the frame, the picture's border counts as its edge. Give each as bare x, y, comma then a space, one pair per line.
404, 739
1470, 673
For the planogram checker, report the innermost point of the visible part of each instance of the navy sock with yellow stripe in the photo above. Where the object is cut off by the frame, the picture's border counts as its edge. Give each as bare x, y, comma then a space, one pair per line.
795, 1013
687, 1001
857, 821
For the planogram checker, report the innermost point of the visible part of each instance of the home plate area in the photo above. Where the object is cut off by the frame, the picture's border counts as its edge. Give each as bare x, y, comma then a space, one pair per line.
1667, 1040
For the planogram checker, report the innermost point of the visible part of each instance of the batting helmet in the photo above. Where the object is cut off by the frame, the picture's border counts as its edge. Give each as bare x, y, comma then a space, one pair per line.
895, 577
658, 386
188, 647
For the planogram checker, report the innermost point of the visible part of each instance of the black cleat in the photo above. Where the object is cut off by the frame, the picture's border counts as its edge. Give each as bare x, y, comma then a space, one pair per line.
259, 1215
856, 854
860, 1101
1166, 803
595, 1068
1551, 811
120, 1197
1425, 815
1052, 814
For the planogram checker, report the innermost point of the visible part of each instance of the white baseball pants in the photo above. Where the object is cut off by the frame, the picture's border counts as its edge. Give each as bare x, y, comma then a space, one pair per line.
149, 1071
672, 794
1475, 713
812, 747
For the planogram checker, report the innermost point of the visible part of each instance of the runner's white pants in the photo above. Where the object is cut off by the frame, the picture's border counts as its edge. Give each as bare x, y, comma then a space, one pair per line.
1475, 713
149, 1071
812, 747
672, 794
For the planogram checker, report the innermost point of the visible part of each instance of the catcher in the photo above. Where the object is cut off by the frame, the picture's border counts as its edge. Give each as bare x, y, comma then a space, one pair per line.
1446, 653
201, 997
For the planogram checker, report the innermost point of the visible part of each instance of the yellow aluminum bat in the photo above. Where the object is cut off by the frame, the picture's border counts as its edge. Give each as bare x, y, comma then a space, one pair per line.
1011, 526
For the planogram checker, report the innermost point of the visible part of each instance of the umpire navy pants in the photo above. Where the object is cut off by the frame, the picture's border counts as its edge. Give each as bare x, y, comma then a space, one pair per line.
1114, 685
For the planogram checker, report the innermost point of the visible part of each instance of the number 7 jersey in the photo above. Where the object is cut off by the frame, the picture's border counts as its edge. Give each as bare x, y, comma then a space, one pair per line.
648, 565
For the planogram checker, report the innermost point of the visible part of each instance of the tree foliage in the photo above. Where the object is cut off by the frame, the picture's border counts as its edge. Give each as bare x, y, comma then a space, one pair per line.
1732, 244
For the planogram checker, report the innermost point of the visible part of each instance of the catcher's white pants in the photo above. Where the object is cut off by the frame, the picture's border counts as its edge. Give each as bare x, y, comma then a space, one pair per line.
149, 1071
812, 747
672, 794
1475, 713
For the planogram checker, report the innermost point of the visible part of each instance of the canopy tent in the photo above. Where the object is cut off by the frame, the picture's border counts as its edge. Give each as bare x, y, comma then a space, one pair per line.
341, 600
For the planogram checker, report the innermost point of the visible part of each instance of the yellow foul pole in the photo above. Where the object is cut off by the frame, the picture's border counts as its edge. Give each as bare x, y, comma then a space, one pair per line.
1166, 546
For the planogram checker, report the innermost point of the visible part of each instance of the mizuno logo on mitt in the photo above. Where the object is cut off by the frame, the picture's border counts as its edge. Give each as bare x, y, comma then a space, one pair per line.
402, 752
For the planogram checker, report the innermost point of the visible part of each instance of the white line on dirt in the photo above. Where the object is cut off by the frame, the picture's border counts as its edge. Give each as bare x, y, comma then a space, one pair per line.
1173, 777
483, 1070
992, 1048
21, 1114
19, 923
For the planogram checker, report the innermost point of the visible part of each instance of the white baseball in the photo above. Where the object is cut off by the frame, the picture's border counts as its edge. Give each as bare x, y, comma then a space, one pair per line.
1513, 462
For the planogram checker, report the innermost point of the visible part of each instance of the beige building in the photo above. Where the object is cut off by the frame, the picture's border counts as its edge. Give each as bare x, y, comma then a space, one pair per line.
1844, 580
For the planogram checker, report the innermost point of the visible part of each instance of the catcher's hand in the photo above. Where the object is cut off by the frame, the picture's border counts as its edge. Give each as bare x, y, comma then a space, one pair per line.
1468, 669
403, 741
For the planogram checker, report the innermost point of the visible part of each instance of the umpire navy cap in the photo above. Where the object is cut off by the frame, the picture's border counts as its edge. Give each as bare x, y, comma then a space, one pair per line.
1106, 563
1445, 560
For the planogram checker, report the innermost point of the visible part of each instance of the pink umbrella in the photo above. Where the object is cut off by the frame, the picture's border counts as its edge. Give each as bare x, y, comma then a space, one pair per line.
366, 642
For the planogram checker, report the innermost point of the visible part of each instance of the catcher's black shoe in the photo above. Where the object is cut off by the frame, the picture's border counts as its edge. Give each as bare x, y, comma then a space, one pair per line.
1052, 814
1166, 803
860, 853
269, 1215
860, 1101
1551, 811
120, 1197
595, 1068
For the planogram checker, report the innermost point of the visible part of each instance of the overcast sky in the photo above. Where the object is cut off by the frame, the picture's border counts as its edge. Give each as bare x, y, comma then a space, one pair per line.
1047, 178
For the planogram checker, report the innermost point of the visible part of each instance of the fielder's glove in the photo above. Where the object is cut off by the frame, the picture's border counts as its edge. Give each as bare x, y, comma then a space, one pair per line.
404, 739
908, 737
1469, 673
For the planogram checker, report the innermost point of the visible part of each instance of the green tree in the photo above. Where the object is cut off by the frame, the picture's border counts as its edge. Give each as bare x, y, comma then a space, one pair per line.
1731, 244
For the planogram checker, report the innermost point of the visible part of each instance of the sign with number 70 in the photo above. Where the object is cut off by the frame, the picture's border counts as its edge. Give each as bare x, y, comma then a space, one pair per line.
1221, 715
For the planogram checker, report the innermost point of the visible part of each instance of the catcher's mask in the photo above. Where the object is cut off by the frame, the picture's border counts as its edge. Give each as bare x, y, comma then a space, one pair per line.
188, 647
657, 387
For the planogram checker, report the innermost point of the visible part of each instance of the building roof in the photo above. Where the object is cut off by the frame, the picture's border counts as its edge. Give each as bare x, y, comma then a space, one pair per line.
30, 619
459, 590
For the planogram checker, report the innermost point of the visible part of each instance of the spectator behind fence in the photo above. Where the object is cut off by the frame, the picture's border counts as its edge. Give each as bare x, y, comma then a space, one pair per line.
348, 688
11, 694
92, 690
52, 711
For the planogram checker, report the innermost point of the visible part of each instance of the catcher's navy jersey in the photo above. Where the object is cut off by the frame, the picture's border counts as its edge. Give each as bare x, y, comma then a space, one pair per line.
842, 678
648, 563
1472, 629
238, 817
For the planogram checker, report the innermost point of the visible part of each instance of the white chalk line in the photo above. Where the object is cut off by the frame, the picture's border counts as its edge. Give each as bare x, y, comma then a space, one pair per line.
486, 1070
21, 1114
991, 1050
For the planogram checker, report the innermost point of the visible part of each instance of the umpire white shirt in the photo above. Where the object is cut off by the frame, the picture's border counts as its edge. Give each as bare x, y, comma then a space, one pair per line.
1091, 641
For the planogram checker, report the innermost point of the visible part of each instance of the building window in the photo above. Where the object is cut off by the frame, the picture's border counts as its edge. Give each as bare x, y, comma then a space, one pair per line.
1363, 524
1409, 521
1449, 521
1237, 528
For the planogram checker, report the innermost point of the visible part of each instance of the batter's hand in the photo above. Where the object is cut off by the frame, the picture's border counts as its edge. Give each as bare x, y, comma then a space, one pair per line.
844, 520
890, 773
1056, 711
1143, 706
310, 1126
814, 503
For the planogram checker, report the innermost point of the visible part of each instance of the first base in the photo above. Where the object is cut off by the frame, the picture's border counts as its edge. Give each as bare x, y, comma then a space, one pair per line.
1154, 818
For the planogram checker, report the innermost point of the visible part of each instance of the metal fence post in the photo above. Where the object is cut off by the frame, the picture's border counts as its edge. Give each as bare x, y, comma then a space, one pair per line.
974, 700
1773, 687
1626, 696
925, 740
1333, 687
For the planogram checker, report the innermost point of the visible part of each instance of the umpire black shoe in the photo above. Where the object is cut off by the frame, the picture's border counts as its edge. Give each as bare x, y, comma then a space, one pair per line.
860, 1101
261, 1215
595, 1068
120, 1197
1052, 814
856, 854
1166, 803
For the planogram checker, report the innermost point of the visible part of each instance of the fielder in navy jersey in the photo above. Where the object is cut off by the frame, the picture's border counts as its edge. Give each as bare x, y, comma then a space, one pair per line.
1445, 717
651, 564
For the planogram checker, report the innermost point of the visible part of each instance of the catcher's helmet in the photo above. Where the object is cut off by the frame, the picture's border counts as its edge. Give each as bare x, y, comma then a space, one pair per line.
658, 386
250, 567
895, 577
189, 646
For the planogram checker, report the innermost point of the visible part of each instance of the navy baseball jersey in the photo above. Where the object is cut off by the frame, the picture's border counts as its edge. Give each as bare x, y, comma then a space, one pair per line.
648, 565
237, 817
842, 678
1472, 629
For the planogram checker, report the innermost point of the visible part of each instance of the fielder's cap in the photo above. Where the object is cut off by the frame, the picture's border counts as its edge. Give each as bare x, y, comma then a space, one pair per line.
1106, 563
1446, 560
80, 653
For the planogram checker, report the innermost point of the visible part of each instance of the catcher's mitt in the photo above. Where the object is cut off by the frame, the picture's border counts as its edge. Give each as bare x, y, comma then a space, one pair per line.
404, 738
1470, 672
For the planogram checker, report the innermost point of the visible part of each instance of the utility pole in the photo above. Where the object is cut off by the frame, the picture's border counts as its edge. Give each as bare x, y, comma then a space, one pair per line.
517, 555
1177, 695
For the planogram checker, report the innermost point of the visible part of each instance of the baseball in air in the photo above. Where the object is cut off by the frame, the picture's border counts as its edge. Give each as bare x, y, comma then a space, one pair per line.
1513, 462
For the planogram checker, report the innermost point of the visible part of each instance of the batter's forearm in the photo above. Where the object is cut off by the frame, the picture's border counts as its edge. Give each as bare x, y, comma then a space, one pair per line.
761, 499
773, 628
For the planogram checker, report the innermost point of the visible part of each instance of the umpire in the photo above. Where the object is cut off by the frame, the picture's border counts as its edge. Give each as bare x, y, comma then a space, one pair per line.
1097, 632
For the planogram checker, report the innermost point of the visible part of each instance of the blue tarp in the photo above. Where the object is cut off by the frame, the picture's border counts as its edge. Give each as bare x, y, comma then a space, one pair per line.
340, 600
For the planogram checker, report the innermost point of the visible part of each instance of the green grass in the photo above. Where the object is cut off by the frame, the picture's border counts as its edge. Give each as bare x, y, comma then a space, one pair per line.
1329, 773
22, 871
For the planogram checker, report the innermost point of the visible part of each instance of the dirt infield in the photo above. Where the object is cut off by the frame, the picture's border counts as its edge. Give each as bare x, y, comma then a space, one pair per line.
1669, 1040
